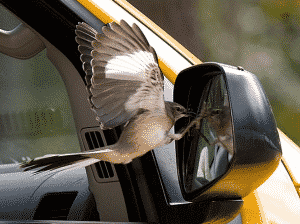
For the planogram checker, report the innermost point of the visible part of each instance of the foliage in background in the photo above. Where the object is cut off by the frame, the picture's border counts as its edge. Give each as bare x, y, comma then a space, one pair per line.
263, 36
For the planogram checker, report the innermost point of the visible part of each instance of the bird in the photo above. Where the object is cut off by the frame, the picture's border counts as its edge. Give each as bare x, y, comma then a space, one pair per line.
219, 120
125, 87
221, 123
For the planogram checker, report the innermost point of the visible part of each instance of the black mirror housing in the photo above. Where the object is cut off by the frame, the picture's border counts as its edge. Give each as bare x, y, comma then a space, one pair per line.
255, 139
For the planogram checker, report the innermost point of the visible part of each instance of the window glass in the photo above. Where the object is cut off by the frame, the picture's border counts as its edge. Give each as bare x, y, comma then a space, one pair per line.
7, 20
35, 113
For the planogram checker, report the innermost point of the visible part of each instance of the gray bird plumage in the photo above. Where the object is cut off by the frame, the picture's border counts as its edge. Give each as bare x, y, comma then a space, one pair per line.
125, 87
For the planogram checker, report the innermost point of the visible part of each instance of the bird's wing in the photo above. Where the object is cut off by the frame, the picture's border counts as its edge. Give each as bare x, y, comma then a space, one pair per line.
122, 72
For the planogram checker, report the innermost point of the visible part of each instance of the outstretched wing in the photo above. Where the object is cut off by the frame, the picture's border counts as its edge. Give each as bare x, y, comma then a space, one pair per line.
122, 72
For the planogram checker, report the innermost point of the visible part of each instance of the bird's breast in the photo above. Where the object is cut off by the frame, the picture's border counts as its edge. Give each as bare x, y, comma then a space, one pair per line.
146, 132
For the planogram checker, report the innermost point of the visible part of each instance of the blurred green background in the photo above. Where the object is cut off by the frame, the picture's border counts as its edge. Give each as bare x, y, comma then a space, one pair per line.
263, 36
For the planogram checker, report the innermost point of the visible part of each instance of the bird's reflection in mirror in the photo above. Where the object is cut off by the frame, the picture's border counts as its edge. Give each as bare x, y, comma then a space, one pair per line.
214, 147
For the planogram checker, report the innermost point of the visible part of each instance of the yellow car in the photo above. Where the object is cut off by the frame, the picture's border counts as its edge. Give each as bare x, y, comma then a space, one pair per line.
238, 167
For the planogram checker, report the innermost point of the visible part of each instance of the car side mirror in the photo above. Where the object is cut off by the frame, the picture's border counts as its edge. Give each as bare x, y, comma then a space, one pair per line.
236, 147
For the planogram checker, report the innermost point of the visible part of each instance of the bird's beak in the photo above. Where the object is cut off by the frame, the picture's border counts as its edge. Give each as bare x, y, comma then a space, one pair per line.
190, 113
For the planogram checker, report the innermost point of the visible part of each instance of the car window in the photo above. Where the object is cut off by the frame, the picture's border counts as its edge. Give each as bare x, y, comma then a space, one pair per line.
35, 113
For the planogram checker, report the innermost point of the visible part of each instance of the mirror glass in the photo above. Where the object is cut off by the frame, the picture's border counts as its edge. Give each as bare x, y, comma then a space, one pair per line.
212, 144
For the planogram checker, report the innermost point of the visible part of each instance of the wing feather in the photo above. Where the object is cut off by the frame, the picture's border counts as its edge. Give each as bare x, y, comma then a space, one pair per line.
118, 38
127, 31
121, 72
140, 34
101, 39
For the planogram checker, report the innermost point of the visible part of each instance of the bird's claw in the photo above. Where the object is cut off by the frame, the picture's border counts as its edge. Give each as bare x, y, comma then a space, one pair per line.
208, 113
197, 121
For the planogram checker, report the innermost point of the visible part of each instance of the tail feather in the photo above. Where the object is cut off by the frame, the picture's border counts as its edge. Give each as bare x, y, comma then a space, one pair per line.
63, 162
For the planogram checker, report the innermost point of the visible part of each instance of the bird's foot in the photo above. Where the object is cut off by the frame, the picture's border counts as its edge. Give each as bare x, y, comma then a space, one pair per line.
172, 137
206, 113
197, 122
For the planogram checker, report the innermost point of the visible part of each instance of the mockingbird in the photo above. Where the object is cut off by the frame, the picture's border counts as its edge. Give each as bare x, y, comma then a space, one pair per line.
125, 85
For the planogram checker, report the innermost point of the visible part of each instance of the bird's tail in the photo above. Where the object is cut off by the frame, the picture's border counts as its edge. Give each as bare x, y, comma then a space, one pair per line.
63, 161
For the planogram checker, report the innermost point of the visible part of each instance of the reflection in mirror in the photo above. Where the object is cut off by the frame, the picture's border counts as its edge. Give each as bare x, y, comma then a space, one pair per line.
212, 147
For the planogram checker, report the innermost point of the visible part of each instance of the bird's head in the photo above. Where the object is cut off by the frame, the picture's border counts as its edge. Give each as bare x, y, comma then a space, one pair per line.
176, 110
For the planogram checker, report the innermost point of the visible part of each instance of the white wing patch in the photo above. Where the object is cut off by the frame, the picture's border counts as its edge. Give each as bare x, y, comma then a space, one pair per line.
132, 66
122, 72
